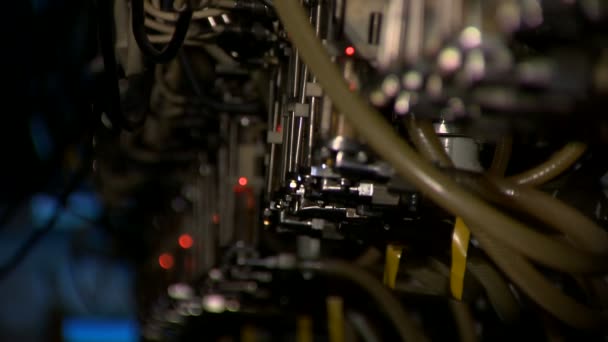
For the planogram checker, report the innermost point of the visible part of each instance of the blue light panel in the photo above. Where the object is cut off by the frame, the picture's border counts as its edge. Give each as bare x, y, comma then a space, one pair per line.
100, 330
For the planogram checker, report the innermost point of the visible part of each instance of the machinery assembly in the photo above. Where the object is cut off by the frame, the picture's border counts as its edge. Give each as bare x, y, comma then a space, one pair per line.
316, 170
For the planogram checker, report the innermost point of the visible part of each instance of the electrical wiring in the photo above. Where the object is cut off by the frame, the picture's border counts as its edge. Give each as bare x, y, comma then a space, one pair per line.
151, 156
438, 187
362, 326
172, 17
464, 321
517, 268
341, 154
405, 326
158, 26
422, 135
502, 154
433, 280
220, 56
164, 89
167, 31
209, 102
556, 165
496, 288
539, 289
139, 31
110, 80
202, 99
582, 230
163, 39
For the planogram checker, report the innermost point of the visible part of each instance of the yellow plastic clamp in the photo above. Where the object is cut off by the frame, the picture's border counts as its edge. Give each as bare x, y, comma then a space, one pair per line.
460, 245
391, 266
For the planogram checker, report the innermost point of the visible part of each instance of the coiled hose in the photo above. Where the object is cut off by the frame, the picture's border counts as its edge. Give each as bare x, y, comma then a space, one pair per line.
442, 190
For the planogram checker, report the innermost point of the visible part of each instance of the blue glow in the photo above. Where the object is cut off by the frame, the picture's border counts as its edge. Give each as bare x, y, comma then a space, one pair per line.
100, 330
41, 138
43, 207
82, 208
85, 204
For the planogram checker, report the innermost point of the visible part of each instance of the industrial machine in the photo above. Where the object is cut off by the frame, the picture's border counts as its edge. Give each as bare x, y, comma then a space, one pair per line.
353, 170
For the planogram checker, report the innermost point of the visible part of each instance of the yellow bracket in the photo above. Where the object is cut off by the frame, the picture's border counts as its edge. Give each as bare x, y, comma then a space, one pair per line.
391, 266
335, 315
304, 329
460, 246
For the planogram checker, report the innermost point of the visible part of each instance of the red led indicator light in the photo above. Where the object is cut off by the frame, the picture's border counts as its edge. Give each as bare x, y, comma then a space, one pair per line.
185, 241
349, 51
165, 261
215, 218
243, 181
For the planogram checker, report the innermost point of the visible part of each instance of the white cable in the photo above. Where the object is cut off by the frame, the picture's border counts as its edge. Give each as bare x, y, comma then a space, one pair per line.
172, 16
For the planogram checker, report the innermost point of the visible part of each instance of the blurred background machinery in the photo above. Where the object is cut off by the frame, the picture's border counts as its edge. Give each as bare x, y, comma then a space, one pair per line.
314, 170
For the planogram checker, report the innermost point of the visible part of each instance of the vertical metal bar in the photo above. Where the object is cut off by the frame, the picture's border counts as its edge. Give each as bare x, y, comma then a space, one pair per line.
415, 31
300, 138
273, 150
330, 20
285, 147
272, 126
393, 29
283, 119
223, 194
291, 120
206, 247
312, 118
292, 135
297, 151
312, 114
211, 208
233, 153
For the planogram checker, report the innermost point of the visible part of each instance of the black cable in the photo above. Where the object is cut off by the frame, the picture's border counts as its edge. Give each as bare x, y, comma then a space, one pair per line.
37, 236
210, 103
170, 50
110, 76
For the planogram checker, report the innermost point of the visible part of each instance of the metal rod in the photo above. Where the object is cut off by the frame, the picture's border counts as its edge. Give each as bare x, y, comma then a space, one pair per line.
415, 31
